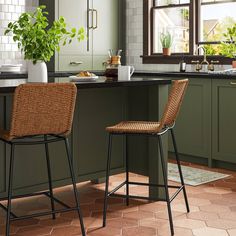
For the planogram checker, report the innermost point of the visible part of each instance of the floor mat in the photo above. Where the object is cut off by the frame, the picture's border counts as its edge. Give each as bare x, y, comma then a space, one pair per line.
193, 176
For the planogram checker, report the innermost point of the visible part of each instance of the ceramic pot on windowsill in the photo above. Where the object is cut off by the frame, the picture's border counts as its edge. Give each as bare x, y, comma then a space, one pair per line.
234, 64
166, 51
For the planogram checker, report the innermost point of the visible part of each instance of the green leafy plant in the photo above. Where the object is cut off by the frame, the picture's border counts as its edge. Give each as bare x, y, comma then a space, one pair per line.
166, 39
228, 46
36, 39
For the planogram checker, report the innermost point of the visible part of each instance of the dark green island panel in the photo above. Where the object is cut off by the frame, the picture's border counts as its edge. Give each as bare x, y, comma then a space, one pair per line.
99, 104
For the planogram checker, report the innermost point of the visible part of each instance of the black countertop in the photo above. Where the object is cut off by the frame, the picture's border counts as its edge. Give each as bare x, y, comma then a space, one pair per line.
137, 73
9, 85
204, 75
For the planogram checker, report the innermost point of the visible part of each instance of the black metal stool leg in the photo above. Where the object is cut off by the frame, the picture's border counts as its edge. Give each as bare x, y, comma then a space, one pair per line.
72, 173
165, 180
180, 170
49, 177
127, 170
107, 179
11, 166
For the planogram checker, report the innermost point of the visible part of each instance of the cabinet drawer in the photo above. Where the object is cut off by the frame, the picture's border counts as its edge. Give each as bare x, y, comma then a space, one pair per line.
72, 63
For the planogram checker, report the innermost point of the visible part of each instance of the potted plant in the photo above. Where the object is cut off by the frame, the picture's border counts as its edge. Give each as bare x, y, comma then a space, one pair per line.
39, 42
166, 42
228, 47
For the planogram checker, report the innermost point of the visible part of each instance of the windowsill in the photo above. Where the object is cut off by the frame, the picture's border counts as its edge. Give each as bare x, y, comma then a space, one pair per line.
175, 59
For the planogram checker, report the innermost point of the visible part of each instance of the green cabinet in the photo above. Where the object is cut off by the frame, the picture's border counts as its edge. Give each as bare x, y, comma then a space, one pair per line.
223, 120
206, 128
193, 125
101, 22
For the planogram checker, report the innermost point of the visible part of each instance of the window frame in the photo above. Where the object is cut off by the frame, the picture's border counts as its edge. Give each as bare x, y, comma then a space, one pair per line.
190, 32
149, 57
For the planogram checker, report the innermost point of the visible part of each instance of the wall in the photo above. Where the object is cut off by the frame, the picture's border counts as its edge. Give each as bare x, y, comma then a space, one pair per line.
134, 41
10, 11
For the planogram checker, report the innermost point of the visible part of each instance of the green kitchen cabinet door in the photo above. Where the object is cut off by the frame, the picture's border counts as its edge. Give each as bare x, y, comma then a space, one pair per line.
223, 120
76, 55
193, 125
105, 34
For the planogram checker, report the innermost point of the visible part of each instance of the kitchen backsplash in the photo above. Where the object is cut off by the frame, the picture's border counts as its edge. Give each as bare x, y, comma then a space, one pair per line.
10, 11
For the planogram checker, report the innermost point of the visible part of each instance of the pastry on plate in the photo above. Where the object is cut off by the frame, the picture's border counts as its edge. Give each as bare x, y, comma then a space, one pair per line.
85, 74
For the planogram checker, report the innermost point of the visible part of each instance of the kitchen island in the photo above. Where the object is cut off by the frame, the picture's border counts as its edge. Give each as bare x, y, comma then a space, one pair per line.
99, 104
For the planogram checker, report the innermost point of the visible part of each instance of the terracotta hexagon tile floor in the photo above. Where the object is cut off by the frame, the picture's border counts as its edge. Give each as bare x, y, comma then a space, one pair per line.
209, 232
212, 205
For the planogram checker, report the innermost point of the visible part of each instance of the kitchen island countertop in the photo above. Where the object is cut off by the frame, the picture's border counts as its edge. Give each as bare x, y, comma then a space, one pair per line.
170, 74
9, 85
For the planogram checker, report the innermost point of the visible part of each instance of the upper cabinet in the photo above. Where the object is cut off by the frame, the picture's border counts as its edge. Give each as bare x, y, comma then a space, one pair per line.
100, 18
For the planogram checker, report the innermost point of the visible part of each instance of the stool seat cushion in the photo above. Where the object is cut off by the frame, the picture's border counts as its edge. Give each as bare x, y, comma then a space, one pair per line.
144, 127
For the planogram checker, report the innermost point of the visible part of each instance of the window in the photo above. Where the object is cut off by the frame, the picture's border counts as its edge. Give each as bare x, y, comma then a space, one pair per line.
173, 17
190, 22
215, 17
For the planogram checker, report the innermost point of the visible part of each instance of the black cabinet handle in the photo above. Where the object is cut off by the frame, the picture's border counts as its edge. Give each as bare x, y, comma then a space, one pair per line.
76, 63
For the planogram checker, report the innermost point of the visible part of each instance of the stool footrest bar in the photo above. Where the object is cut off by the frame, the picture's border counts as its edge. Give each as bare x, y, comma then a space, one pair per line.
116, 188
154, 185
25, 195
137, 197
112, 193
46, 193
4, 208
57, 200
176, 193
43, 214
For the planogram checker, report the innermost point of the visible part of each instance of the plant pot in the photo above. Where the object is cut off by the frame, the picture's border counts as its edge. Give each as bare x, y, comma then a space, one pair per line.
37, 72
233, 64
166, 51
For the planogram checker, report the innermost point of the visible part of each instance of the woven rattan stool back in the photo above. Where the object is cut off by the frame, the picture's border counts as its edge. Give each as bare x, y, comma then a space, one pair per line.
174, 102
43, 109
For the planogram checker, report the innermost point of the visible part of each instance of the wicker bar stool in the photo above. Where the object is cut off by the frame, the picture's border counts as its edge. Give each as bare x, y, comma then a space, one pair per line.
150, 129
42, 113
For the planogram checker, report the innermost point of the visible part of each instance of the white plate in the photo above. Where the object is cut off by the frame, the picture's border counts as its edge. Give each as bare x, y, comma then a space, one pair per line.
83, 79
10, 68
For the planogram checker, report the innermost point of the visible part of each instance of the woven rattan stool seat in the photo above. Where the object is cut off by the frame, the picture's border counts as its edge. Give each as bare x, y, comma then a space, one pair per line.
135, 127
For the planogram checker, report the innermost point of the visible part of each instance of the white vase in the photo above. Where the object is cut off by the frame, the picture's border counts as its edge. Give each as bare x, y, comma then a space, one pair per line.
37, 72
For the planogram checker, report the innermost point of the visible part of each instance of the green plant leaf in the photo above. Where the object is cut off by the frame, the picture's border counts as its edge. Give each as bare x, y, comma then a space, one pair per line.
36, 39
